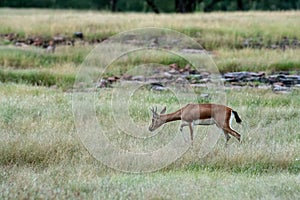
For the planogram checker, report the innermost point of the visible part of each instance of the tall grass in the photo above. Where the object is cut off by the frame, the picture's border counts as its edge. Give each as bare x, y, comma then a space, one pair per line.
38, 78
223, 33
256, 60
29, 58
29, 113
40, 68
41, 155
211, 29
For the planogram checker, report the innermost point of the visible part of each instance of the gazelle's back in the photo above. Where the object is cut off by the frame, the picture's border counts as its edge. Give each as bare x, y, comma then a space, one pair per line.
202, 111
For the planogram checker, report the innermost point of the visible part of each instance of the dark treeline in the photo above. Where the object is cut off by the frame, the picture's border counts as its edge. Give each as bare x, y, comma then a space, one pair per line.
157, 6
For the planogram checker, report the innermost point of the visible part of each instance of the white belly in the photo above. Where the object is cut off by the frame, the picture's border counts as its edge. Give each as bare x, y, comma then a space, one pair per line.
208, 121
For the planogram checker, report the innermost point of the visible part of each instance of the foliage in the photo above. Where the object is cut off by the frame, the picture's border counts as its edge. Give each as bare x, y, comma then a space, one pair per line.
163, 6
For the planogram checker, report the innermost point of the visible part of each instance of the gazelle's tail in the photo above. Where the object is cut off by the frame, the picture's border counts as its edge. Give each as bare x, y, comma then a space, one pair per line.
237, 117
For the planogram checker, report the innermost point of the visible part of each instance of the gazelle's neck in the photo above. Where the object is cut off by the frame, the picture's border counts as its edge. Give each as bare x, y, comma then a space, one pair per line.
171, 117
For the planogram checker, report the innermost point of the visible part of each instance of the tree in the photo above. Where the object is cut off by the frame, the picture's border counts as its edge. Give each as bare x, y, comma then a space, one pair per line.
182, 6
113, 5
210, 6
153, 6
239, 5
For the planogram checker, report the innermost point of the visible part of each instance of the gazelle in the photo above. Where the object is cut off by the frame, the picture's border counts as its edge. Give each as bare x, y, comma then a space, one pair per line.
199, 114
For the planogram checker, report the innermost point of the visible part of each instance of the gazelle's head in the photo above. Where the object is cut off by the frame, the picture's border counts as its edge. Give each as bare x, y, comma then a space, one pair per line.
156, 119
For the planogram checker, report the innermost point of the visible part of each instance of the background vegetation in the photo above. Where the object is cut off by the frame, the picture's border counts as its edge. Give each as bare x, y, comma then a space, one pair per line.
157, 6
223, 35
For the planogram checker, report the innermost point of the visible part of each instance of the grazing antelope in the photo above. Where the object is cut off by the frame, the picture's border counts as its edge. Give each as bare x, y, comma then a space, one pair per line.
199, 114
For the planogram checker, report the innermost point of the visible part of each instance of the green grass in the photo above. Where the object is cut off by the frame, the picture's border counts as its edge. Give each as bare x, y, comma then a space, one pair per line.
214, 30
41, 68
18, 58
256, 60
221, 33
42, 156
38, 78
84, 183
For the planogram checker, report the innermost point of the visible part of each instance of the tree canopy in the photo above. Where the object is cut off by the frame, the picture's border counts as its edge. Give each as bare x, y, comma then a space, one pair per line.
157, 6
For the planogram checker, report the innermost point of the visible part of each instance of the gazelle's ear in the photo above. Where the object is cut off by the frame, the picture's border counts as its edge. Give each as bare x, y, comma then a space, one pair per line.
163, 110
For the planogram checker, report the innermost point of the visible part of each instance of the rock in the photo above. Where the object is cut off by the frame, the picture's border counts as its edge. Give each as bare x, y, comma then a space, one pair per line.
273, 46
260, 77
194, 51
295, 78
193, 71
181, 70
180, 80
281, 89
204, 95
167, 75
158, 87
205, 74
112, 79
287, 80
103, 84
11, 36
185, 73
264, 87
78, 35
21, 44
187, 67
173, 66
59, 39
204, 80
50, 49
278, 84
38, 42
126, 77
194, 78
261, 74
173, 71
201, 85
138, 78
238, 83
153, 42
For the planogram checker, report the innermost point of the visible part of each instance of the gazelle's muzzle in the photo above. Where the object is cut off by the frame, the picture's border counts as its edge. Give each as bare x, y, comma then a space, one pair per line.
151, 128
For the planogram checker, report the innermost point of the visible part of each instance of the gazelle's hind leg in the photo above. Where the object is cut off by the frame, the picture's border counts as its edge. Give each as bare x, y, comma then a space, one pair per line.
227, 137
232, 132
226, 127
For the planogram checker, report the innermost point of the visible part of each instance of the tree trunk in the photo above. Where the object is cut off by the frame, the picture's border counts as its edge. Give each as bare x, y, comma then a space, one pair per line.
239, 5
113, 5
152, 5
182, 6
210, 7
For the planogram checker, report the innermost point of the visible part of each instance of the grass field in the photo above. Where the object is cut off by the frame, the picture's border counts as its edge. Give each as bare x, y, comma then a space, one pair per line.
42, 156
221, 34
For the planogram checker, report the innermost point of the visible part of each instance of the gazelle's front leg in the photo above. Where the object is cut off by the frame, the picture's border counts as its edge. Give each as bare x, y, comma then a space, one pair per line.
191, 131
190, 125
183, 124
